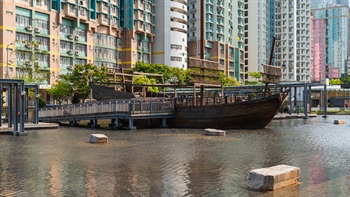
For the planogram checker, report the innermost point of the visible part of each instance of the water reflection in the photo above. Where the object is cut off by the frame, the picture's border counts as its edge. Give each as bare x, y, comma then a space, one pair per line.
175, 162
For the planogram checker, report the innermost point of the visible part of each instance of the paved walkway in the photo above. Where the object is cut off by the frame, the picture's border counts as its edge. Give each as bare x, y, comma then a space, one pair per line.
294, 115
29, 126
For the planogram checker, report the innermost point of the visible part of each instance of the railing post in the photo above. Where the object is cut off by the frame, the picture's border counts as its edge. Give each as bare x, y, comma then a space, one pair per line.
130, 107
9, 106
15, 116
141, 106
163, 104
150, 106
305, 97
325, 101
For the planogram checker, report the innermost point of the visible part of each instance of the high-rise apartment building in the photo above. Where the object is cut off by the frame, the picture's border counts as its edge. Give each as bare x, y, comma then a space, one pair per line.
341, 2
170, 42
292, 23
113, 33
257, 34
318, 49
317, 4
137, 22
216, 33
334, 21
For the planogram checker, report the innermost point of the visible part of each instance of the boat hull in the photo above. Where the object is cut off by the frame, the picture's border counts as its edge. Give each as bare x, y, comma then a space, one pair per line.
254, 114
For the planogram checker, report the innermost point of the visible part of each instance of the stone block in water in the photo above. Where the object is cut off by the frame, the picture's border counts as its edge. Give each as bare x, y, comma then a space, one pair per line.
98, 138
272, 178
339, 122
214, 132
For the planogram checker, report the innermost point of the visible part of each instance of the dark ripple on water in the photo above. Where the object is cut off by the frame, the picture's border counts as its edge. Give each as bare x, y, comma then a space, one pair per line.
174, 162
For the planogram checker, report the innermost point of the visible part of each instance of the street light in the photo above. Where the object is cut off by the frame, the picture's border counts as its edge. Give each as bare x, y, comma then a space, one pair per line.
7, 61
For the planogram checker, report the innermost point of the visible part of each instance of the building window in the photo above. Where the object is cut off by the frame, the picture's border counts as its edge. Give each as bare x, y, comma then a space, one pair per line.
71, 8
43, 59
43, 42
82, 12
80, 61
42, 24
81, 48
65, 30
23, 21
175, 46
81, 33
23, 37
176, 59
65, 46
65, 61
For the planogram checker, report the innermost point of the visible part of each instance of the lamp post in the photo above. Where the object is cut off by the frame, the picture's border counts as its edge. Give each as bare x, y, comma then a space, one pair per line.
7, 60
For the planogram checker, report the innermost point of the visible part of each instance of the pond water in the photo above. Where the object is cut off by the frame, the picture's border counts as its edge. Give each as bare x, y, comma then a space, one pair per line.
176, 162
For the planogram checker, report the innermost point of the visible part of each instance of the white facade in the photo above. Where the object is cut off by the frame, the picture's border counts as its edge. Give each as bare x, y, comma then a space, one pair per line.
257, 40
170, 42
292, 27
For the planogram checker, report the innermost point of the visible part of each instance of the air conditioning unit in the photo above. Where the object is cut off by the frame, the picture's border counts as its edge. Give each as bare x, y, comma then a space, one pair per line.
76, 37
70, 36
70, 51
37, 30
29, 28
70, 67
29, 45
77, 53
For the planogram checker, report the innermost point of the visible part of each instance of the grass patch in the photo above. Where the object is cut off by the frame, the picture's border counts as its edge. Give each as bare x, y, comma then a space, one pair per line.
332, 112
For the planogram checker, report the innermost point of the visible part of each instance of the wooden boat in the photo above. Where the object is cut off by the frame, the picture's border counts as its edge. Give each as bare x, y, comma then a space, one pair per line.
252, 114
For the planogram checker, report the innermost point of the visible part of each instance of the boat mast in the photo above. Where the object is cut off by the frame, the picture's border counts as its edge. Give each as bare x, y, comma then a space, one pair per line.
270, 63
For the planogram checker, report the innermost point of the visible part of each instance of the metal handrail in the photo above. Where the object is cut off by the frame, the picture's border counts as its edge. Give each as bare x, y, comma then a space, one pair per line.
130, 106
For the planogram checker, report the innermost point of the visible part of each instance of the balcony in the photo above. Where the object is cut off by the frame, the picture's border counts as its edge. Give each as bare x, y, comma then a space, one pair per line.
70, 10
139, 27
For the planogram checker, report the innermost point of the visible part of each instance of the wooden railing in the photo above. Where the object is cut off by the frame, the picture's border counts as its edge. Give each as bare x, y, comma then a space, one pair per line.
216, 100
129, 106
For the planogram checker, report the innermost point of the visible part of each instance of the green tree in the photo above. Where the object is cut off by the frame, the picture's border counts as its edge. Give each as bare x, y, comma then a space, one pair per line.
335, 82
60, 91
346, 80
256, 76
168, 73
80, 76
228, 81
42, 103
142, 79
28, 67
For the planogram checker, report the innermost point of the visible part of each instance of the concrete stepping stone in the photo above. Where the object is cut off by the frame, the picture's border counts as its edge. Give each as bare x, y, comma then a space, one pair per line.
214, 132
98, 138
339, 122
272, 178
